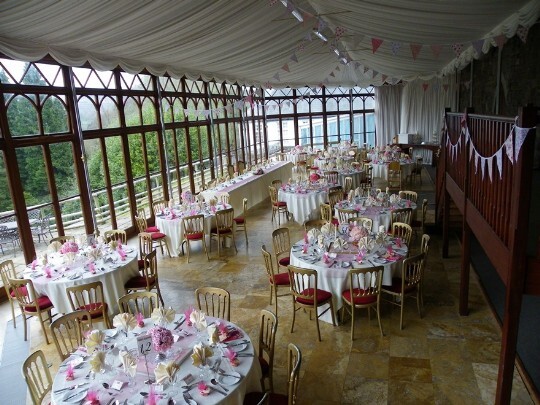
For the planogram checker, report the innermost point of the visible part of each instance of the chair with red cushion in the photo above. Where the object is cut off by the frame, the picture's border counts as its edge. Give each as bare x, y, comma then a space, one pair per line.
240, 221
146, 245
25, 294
267, 340
149, 280
294, 361
194, 231
306, 295
158, 238
278, 207
141, 213
90, 298
409, 285
224, 228
282, 246
7, 270
364, 292
277, 280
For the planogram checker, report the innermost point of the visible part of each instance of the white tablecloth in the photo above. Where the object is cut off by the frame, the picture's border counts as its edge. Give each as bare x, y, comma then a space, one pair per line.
114, 276
249, 368
381, 170
379, 215
250, 186
303, 206
357, 177
334, 279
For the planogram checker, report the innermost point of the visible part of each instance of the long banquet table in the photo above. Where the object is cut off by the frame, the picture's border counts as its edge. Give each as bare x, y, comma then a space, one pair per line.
251, 186
248, 370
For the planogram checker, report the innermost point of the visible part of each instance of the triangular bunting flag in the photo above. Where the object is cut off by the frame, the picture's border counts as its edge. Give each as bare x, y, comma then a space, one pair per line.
365, 69
458, 48
490, 168
206, 113
467, 84
276, 76
228, 108
285, 67
435, 86
339, 32
436, 49
383, 78
478, 45
321, 25
272, 2
521, 134
425, 86
288, 104
308, 37
476, 161
376, 43
301, 46
498, 155
375, 73
522, 33
483, 163
332, 74
471, 150
395, 46
338, 68
500, 40
463, 120
294, 58
267, 85
445, 87
307, 16
415, 50
509, 148
326, 81
356, 65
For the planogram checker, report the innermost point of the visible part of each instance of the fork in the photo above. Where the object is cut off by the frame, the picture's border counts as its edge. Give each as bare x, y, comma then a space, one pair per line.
69, 388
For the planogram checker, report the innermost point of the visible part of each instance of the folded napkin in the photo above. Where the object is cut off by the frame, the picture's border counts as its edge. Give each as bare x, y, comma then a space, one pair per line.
94, 339
54, 247
113, 244
129, 362
200, 353
394, 198
340, 244
198, 320
125, 321
163, 315
97, 361
313, 234
366, 243
213, 334
94, 254
327, 229
166, 371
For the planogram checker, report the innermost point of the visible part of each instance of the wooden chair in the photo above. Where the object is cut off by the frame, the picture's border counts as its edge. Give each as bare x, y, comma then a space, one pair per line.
146, 245
281, 241
347, 187
30, 303
408, 195
267, 340
90, 297
149, 280
142, 215
409, 285
159, 206
334, 197
7, 271
416, 171
278, 207
326, 213
306, 295
68, 331
240, 221
314, 223
401, 215
35, 370
331, 176
394, 175
116, 235
62, 239
193, 231
214, 302
224, 228
364, 292
344, 214
403, 231
143, 302
158, 238
225, 198
277, 280
367, 181
364, 221
294, 361
420, 224
424, 245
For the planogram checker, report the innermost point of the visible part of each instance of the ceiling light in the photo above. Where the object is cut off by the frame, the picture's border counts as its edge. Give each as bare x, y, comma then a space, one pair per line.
285, 3
320, 35
337, 52
297, 15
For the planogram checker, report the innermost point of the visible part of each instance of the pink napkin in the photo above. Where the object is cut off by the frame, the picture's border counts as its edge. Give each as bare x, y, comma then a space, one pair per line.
187, 314
122, 254
48, 271
92, 268
231, 355
398, 242
140, 319
409, 203
34, 264
305, 237
389, 250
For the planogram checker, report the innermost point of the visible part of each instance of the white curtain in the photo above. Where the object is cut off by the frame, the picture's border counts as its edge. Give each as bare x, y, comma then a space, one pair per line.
422, 106
387, 112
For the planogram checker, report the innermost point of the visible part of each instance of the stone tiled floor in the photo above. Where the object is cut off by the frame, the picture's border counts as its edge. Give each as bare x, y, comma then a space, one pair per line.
440, 359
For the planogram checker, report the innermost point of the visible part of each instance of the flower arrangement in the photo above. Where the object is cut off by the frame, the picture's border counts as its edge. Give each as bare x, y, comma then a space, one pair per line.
162, 338
358, 232
313, 177
187, 196
92, 398
69, 247
204, 389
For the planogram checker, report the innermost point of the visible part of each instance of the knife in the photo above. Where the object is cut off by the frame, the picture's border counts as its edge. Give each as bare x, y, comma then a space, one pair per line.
180, 324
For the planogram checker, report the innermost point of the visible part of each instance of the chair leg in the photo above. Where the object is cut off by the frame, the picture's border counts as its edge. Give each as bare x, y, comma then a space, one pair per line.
206, 250
352, 320
401, 315
187, 249
245, 233
218, 245
293, 316
25, 327
234, 242
317, 323
159, 295
13, 313
43, 328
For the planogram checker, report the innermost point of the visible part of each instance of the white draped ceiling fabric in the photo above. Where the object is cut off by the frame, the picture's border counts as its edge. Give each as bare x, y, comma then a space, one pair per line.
261, 43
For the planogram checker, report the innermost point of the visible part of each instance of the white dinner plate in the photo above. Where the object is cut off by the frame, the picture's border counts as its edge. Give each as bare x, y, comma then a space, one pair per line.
77, 397
380, 261
345, 264
230, 378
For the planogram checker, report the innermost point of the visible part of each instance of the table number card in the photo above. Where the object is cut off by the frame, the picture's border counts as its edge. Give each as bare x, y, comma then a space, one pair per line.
144, 343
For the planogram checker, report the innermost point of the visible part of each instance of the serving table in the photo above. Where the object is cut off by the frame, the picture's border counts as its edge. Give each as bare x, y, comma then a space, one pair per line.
112, 385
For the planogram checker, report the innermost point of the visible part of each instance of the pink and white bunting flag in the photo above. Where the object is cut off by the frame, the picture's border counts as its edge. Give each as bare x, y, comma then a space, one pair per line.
186, 112
376, 43
395, 47
521, 134
229, 108
498, 156
478, 45
509, 146
522, 33
308, 37
383, 78
436, 49
471, 151
321, 25
285, 67
272, 2
477, 159
339, 32
301, 46
415, 50
490, 168
293, 57
375, 73
332, 74
458, 48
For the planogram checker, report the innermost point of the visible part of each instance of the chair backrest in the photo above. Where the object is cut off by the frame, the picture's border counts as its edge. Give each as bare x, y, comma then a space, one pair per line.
24, 293
141, 213
145, 244
193, 225
424, 244
7, 271
394, 166
366, 222
294, 361
158, 206
143, 302
344, 215
314, 223
244, 207
142, 225
303, 284
424, 213
412, 271
401, 215
150, 268
403, 231
86, 296
334, 197
365, 283
35, 370
408, 195
326, 212
269, 267
331, 176
62, 239
225, 198
272, 191
348, 184
214, 302
68, 331
116, 235
267, 336
224, 219
281, 241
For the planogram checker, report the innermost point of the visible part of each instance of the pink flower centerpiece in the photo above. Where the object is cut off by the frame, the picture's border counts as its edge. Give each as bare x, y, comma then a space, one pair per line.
313, 177
162, 339
187, 197
358, 232
69, 247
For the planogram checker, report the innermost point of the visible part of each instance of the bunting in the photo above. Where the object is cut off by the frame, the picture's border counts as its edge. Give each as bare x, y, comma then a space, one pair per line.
376, 43
415, 50
522, 33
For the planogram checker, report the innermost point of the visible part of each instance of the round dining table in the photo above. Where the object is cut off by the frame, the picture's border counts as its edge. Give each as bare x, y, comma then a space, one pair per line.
332, 276
113, 385
303, 200
380, 169
111, 269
